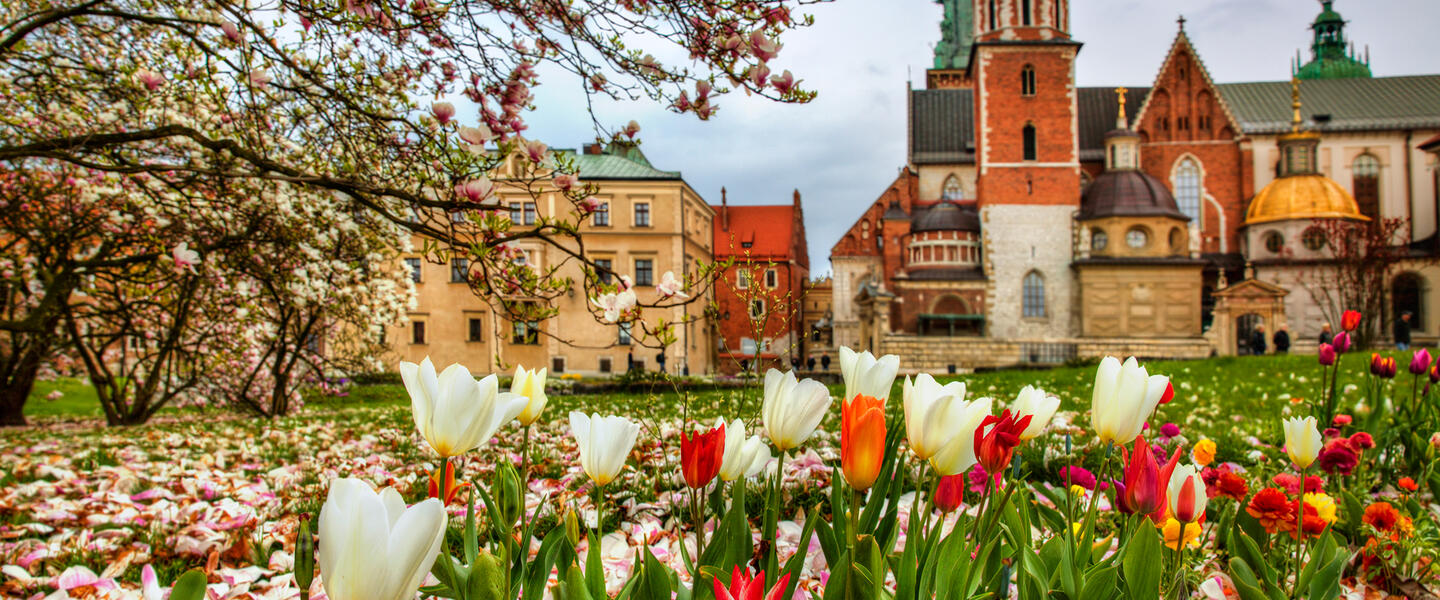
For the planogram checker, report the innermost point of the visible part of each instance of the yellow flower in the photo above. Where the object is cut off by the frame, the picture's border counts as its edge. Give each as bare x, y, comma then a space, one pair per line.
1204, 452
1171, 529
1078, 490
1324, 505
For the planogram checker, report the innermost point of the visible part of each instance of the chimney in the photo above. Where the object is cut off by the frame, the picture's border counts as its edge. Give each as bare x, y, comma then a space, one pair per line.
592, 148
724, 212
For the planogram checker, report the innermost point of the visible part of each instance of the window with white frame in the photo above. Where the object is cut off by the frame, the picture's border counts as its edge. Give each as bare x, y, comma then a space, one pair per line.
1188, 189
1033, 295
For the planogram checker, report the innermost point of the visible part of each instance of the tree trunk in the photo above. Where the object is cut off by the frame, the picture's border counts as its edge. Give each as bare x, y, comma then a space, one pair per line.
12, 405
17, 383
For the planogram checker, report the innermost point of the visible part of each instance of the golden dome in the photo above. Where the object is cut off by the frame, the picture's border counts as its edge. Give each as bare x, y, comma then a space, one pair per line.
1302, 197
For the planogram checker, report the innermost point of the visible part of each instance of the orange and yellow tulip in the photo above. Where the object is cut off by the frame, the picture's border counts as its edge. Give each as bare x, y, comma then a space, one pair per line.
862, 440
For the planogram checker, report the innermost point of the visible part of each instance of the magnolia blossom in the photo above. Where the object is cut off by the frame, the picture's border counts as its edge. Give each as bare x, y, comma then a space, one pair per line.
670, 286
530, 385
259, 77
566, 182
744, 457
476, 190
1303, 441
1124, 397
931, 411
1038, 405
783, 82
443, 111
763, 47
373, 547
631, 129
150, 79
184, 257
759, 74
535, 150
476, 137
605, 443
590, 204
615, 304
792, 409
455, 413
866, 375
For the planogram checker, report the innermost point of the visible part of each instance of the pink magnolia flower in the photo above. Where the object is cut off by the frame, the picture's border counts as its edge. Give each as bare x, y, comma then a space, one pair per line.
758, 74
590, 204
259, 78
231, 32
83, 581
475, 190
184, 257
566, 182
732, 43
443, 111
783, 82
150, 79
763, 47
535, 150
631, 129
476, 136
615, 304
597, 81
626, 283
670, 286
682, 102
702, 89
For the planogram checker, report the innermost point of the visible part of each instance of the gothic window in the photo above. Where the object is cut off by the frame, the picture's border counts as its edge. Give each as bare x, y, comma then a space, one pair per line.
1027, 81
994, 23
1366, 183
1033, 295
1028, 136
952, 190
1025, 12
1188, 190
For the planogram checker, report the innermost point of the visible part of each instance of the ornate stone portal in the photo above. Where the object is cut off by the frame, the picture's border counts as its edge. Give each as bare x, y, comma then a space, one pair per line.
1239, 307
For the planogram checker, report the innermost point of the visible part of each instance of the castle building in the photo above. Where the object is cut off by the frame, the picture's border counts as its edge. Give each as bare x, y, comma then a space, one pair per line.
759, 296
650, 221
1036, 220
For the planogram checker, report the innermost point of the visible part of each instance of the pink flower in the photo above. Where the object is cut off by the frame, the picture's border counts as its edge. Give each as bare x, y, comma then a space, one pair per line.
597, 81
783, 82
631, 129
759, 74
566, 182
80, 577
231, 32
535, 150
184, 257
615, 304
150, 79
443, 111
476, 136
1420, 362
590, 204
475, 190
702, 89
259, 78
682, 102
670, 286
763, 47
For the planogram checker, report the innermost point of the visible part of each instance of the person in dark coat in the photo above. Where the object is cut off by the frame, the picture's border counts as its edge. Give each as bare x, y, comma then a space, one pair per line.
1325, 335
810, 364
1257, 340
660, 358
1402, 331
1282, 340
825, 363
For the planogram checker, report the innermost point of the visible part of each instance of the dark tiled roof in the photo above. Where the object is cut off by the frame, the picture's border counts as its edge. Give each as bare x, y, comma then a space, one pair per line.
1352, 104
1127, 194
942, 123
946, 216
947, 274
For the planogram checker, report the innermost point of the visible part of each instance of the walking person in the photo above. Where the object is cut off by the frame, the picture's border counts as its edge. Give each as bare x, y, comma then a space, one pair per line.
1402, 331
810, 364
1257, 340
1325, 336
660, 358
825, 363
1282, 340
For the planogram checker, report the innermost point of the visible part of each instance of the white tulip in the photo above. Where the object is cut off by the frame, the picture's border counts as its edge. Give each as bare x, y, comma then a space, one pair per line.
958, 454
1038, 405
864, 374
744, 457
454, 413
531, 385
605, 443
932, 413
792, 409
372, 546
1198, 495
1303, 441
1124, 398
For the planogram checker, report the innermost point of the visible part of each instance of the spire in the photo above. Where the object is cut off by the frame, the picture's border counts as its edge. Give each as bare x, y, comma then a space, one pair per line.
1181, 21
1121, 120
1295, 103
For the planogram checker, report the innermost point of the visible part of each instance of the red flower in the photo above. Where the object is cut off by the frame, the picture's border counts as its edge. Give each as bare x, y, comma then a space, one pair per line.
1291, 483
1272, 509
995, 448
743, 587
950, 492
1408, 484
1382, 366
1169, 393
1338, 457
1146, 482
1224, 483
701, 454
1350, 320
1314, 525
451, 489
1362, 441
1381, 515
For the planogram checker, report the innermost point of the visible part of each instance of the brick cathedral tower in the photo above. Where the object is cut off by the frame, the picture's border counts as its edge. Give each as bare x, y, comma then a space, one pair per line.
1028, 181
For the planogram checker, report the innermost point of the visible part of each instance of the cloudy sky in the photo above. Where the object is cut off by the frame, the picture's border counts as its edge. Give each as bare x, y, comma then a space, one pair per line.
841, 150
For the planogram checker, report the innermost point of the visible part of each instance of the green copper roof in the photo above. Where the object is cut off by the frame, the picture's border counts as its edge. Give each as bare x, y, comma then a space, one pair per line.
1331, 58
619, 161
1381, 103
957, 34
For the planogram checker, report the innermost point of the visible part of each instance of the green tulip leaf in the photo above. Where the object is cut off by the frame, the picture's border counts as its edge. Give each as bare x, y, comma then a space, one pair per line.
1141, 565
190, 586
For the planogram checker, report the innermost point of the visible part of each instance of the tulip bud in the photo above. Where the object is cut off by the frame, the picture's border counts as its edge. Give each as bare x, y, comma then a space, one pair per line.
950, 492
304, 556
487, 577
1327, 355
1435, 373
509, 494
1341, 342
572, 527
1350, 320
1420, 362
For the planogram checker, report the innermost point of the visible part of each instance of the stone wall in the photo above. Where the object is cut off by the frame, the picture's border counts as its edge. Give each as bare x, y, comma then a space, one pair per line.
1020, 239
924, 354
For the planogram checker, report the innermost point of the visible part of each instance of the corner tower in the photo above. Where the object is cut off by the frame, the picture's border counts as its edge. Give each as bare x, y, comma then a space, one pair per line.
1028, 169
1331, 55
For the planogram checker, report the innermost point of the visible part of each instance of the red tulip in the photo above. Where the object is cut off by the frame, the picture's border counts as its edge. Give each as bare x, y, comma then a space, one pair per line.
1327, 355
701, 455
743, 587
1168, 394
951, 492
1146, 481
995, 447
862, 440
1382, 366
1350, 320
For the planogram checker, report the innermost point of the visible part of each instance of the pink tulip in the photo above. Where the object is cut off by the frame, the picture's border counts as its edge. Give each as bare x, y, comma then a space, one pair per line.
1420, 363
1327, 355
1341, 343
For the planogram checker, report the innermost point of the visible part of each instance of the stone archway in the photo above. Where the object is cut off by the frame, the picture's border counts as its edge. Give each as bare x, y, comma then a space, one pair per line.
1245, 329
1263, 301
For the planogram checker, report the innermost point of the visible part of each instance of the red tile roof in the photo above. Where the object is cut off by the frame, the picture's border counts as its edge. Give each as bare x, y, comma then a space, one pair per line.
769, 230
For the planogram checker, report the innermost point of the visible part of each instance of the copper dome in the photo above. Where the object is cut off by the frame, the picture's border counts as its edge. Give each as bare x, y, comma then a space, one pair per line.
946, 216
1128, 193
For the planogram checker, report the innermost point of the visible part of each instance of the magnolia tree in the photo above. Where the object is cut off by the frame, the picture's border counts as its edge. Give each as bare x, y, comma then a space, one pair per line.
400, 109
1361, 258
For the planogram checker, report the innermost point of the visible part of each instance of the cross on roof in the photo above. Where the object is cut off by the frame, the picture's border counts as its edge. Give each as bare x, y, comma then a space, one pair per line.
1181, 21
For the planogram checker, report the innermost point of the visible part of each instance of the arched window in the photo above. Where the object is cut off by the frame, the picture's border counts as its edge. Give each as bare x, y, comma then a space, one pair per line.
1033, 295
952, 190
1365, 172
1407, 295
1188, 190
1028, 137
1027, 81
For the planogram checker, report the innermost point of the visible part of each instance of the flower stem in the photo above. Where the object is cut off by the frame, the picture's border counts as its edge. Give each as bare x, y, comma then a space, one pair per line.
525, 484
1299, 527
